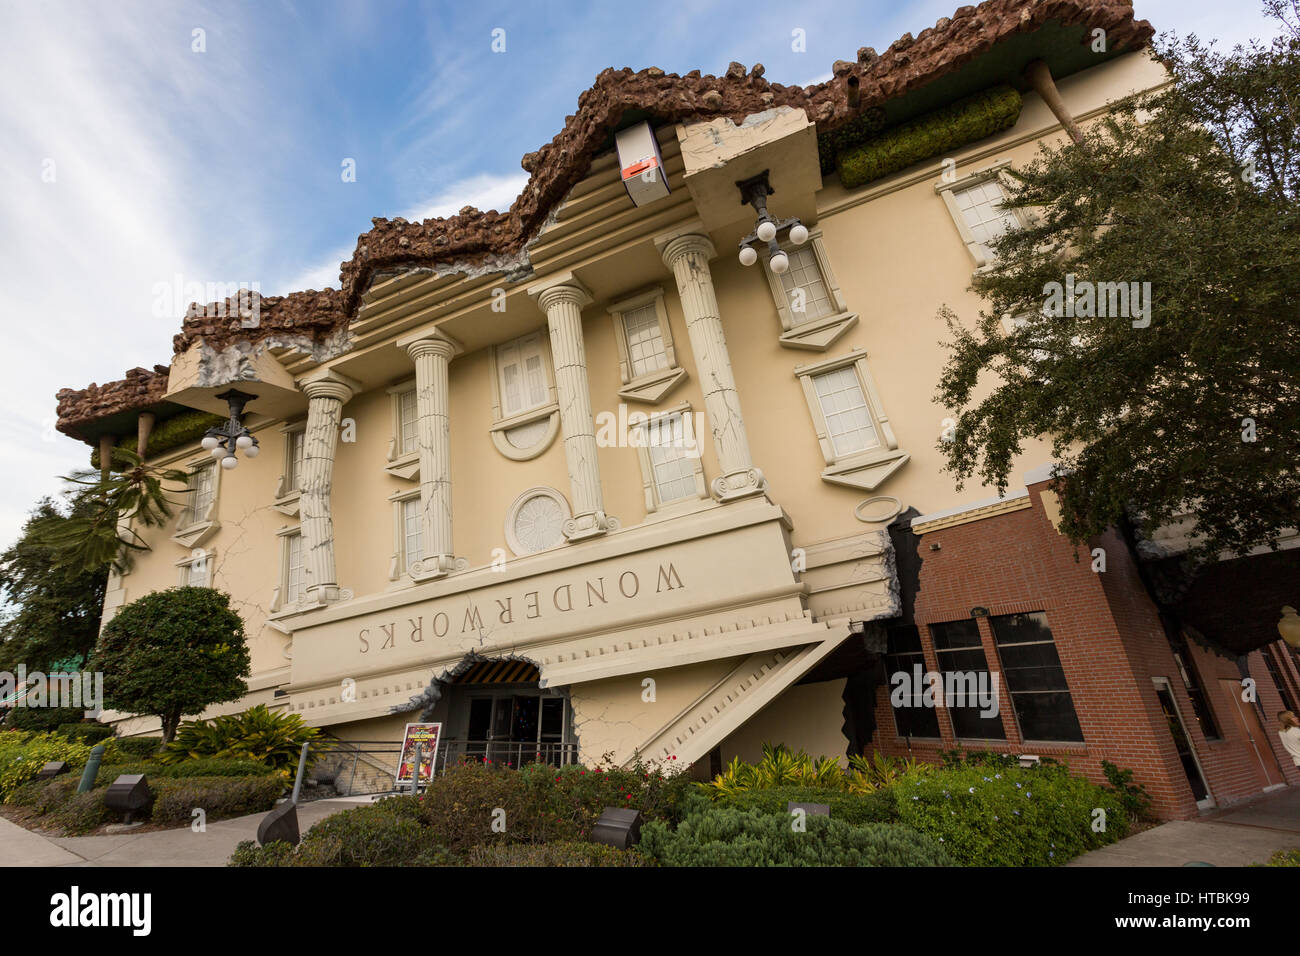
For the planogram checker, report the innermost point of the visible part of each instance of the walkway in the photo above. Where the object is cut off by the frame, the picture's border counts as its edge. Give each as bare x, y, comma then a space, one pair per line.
1238, 836
183, 847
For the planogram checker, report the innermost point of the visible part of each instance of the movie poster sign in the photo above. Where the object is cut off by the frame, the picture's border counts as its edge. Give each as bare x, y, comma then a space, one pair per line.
426, 735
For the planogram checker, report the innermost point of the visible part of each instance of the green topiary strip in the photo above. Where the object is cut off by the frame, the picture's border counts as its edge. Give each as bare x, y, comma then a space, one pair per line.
939, 132
172, 433
857, 130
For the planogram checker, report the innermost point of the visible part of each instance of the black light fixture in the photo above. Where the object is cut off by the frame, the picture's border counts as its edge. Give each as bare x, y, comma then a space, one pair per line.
53, 769
128, 793
223, 440
618, 827
755, 191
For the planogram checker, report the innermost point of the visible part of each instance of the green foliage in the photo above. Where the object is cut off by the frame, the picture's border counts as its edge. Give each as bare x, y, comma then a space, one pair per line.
22, 755
364, 836
56, 609
726, 837
987, 815
1289, 857
200, 767
47, 719
219, 797
42, 796
554, 854
101, 530
172, 433
258, 734
142, 747
779, 767
90, 733
1148, 423
171, 653
79, 813
933, 134
1132, 796
829, 145
876, 806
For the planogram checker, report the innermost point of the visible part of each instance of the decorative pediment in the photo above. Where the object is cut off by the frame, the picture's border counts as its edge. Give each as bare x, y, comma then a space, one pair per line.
406, 467
866, 473
651, 389
820, 334
196, 534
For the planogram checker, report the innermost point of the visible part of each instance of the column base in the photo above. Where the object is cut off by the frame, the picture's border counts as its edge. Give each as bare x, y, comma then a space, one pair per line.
739, 484
327, 594
437, 566
590, 525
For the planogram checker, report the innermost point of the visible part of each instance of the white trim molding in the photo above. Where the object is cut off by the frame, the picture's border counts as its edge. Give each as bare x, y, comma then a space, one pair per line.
817, 334
947, 191
650, 387
403, 462
653, 502
867, 469
549, 412
288, 492
193, 529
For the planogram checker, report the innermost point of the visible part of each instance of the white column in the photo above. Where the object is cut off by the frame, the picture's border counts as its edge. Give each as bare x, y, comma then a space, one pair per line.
432, 355
562, 301
688, 257
325, 398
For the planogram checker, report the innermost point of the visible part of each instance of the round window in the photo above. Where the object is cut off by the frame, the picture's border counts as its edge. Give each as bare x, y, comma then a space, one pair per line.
536, 521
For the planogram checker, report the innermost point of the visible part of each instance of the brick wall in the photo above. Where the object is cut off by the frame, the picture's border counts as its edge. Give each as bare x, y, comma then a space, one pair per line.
1110, 642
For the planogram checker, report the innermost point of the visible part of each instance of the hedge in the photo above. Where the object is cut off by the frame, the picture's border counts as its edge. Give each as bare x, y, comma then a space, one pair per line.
930, 135
140, 746
89, 733
854, 808
729, 837
554, 854
176, 431
200, 767
363, 836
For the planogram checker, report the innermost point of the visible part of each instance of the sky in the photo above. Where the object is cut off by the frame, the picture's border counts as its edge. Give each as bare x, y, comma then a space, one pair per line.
148, 145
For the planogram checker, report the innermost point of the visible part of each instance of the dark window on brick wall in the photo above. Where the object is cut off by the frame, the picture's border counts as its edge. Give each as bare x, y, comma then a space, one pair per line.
959, 651
903, 655
1192, 681
1276, 673
1034, 677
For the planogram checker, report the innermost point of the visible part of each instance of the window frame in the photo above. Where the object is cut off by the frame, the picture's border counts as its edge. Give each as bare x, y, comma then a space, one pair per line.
939, 660
185, 567
820, 333
280, 599
654, 502
649, 387
548, 411
287, 492
401, 462
1012, 693
948, 191
399, 567
193, 529
865, 469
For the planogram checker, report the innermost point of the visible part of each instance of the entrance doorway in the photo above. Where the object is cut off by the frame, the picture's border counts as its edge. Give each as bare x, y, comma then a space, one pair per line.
498, 712
1183, 744
1263, 763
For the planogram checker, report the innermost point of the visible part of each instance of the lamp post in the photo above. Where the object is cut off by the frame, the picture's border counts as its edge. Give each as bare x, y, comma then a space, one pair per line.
754, 192
222, 441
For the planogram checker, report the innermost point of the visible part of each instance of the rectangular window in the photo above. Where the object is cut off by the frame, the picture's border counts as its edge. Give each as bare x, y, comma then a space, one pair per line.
645, 341
981, 208
805, 289
844, 406
903, 655
1275, 672
411, 526
293, 568
201, 494
672, 464
196, 573
963, 666
1035, 679
522, 375
407, 414
1192, 683
297, 450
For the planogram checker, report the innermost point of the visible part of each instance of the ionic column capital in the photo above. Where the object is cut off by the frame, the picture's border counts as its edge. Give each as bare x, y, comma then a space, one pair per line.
330, 385
692, 243
564, 288
435, 343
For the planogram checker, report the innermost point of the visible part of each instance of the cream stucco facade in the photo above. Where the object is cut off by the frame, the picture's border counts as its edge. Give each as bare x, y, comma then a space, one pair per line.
677, 617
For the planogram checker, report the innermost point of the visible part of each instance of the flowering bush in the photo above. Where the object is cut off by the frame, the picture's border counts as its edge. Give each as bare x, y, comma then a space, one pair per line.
23, 754
997, 815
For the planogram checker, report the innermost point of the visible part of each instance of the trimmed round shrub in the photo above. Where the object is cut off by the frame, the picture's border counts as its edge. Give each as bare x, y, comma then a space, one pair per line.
42, 796
249, 853
79, 813
140, 747
728, 837
554, 854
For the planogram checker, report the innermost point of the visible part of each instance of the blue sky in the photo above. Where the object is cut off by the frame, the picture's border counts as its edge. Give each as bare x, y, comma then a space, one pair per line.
225, 165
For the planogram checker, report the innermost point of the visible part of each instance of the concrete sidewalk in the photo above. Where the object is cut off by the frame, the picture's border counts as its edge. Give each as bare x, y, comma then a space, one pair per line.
182, 847
1238, 836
